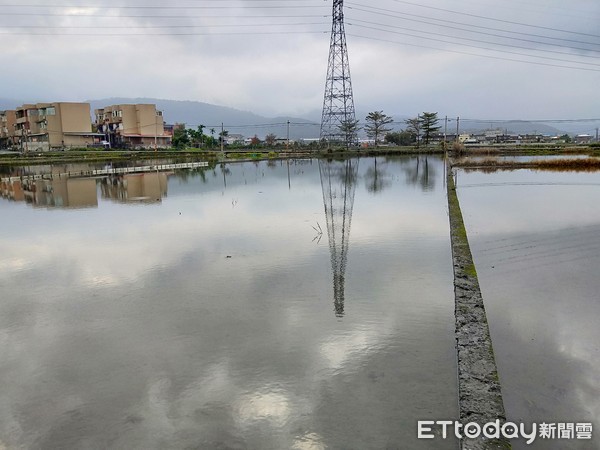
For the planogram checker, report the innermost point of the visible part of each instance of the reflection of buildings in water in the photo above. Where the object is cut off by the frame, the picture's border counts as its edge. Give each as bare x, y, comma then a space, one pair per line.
12, 190
62, 193
140, 187
338, 182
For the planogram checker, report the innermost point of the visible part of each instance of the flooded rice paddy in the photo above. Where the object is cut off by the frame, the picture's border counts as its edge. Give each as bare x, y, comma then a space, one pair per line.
263, 305
535, 238
298, 304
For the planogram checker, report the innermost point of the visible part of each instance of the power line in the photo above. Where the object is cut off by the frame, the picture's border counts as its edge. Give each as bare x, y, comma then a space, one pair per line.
542, 9
386, 13
486, 33
475, 54
495, 19
220, 2
241, 33
481, 48
161, 26
107, 16
468, 39
531, 120
163, 7
38, 5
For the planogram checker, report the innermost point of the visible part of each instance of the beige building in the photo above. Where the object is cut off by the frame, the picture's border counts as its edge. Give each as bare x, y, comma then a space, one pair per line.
45, 126
132, 126
8, 121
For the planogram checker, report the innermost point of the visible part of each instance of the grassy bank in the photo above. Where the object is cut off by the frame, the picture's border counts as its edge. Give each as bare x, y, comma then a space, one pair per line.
558, 165
86, 155
188, 154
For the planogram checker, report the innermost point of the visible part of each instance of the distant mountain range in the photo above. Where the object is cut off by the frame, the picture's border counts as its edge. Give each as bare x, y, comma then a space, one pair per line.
248, 124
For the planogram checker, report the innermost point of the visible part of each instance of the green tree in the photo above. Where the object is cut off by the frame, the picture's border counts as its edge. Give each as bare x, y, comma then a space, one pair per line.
429, 125
403, 138
349, 128
566, 138
212, 137
197, 137
376, 125
180, 138
414, 126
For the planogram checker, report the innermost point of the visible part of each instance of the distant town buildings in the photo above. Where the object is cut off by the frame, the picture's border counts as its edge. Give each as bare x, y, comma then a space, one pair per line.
62, 125
8, 121
132, 126
43, 126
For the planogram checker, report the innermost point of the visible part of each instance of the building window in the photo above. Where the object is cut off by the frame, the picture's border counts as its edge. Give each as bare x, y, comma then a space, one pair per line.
159, 113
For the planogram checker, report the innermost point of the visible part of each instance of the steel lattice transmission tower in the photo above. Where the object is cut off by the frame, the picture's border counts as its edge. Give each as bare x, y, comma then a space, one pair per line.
338, 182
338, 122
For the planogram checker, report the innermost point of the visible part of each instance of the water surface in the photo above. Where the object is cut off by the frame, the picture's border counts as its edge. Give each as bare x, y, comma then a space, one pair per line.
252, 305
535, 238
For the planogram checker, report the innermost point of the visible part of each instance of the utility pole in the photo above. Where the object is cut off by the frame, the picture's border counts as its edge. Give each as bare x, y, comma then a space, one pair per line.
338, 102
457, 127
25, 130
155, 131
445, 130
222, 136
287, 145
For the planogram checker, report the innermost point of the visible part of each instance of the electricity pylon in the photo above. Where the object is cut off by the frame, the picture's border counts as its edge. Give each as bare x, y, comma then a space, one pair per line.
338, 182
338, 121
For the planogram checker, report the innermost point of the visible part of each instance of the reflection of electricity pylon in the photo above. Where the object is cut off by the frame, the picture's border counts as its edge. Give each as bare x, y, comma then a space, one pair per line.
338, 118
338, 182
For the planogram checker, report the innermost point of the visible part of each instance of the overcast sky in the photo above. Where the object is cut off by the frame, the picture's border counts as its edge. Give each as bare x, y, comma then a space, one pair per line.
270, 56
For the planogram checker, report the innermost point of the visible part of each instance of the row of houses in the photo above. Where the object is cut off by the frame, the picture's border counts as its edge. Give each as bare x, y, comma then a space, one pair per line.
504, 137
60, 125
499, 136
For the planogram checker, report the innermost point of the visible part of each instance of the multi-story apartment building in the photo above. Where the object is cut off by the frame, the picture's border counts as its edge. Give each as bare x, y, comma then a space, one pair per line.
43, 126
8, 120
133, 126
